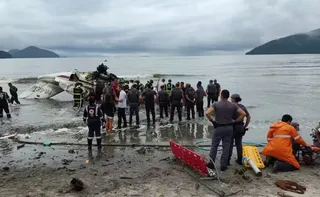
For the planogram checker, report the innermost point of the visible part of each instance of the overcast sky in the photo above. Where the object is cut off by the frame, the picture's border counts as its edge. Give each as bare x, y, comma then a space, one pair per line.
190, 27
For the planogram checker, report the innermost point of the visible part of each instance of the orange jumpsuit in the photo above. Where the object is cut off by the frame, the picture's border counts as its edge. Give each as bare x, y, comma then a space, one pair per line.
279, 143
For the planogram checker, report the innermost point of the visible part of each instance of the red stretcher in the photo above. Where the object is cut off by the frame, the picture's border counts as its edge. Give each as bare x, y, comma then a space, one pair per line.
190, 158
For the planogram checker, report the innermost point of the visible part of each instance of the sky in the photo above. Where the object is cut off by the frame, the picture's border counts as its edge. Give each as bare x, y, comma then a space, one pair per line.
177, 27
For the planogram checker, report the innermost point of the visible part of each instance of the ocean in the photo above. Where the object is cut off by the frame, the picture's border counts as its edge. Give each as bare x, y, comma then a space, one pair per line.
270, 86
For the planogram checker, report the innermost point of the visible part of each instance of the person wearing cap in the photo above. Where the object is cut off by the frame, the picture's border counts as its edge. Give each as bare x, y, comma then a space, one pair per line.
176, 102
239, 129
224, 112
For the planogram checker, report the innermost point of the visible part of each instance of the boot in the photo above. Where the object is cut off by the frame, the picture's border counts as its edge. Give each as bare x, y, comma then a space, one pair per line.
99, 143
89, 144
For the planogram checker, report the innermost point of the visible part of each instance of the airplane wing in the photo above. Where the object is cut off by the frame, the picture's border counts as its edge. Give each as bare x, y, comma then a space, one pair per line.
41, 90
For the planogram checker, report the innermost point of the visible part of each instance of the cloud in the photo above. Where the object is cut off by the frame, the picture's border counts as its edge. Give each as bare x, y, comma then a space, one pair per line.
97, 27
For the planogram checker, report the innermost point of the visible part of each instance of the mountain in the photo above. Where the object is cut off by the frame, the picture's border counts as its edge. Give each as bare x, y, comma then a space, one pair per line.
32, 52
4, 54
302, 43
13, 51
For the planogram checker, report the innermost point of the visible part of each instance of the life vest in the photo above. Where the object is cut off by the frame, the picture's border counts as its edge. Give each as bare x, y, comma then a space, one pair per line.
279, 143
169, 87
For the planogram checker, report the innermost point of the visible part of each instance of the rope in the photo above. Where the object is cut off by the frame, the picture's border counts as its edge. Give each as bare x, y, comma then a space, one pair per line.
112, 145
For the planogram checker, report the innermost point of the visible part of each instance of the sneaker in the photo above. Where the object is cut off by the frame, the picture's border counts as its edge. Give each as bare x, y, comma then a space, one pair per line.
223, 168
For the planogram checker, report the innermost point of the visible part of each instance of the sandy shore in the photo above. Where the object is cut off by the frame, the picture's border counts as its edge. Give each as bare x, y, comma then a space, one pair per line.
35, 170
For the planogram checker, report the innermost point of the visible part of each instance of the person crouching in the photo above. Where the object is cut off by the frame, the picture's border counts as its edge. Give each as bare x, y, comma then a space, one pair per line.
92, 116
278, 151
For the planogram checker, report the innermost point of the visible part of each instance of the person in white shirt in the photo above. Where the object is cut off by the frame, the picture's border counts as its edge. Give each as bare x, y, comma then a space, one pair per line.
122, 105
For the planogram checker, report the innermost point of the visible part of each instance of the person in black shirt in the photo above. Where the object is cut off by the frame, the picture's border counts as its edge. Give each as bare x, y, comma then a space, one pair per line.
14, 94
163, 98
4, 98
200, 93
176, 102
190, 100
134, 100
148, 96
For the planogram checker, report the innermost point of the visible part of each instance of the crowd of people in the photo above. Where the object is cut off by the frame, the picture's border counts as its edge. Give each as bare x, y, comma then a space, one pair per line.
226, 116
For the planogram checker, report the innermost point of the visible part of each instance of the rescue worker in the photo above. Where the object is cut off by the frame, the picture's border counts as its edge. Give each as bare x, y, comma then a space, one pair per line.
190, 100
200, 93
212, 92
224, 112
14, 93
109, 107
169, 86
176, 102
122, 105
78, 95
93, 117
316, 138
4, 106
239, 129
163, 99
279, 151
149, 97
134, 102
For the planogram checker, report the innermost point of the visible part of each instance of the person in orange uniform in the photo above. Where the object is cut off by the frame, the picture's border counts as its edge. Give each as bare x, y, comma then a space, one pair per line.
278, 150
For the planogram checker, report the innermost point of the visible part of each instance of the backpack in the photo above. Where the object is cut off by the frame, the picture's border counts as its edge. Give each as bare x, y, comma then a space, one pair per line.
212, 89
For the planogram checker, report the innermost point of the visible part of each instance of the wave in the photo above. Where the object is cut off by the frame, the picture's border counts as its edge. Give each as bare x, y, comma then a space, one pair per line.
289, 74
158, 75
24, 80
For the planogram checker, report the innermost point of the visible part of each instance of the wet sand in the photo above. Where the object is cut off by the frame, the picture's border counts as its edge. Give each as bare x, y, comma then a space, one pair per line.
35, 170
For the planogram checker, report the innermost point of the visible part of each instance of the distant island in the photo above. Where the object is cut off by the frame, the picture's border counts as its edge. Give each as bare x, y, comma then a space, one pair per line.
4, 55
29, 52
302, 43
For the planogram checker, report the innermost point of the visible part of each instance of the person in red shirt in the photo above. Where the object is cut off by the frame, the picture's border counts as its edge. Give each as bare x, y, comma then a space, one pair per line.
116, 88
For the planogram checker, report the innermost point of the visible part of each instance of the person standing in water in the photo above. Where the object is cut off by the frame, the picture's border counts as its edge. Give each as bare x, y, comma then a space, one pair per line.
4, 106
93, 116
176, 102
149, 97
109, 107
134, 102
122, 105
190, 101
239, 129
212, 92
200, 93
163, 99
224, 112
14, 94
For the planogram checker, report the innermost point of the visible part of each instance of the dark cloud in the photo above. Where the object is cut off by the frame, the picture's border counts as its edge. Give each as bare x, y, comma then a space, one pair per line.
98, 27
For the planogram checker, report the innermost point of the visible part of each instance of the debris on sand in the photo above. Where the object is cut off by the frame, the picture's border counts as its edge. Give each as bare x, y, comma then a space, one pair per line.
71, 151
20, 146
290, 186
66, 161
6, 168
39, 155
142, 150
76, 184
125, 177
283, 194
